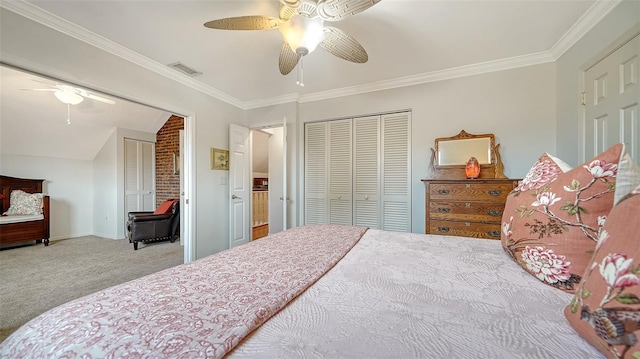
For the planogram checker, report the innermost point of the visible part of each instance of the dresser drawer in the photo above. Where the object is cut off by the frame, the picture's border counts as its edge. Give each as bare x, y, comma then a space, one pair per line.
492, 192
465, 229
466, 211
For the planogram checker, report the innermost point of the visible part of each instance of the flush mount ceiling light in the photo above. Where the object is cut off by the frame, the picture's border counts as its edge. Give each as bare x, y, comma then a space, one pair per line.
301, 23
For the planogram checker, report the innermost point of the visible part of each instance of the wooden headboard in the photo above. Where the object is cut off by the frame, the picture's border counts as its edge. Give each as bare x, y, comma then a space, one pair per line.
8, 184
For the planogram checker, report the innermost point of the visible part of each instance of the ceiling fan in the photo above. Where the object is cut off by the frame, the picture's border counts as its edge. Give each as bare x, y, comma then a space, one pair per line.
301, 23
70, 95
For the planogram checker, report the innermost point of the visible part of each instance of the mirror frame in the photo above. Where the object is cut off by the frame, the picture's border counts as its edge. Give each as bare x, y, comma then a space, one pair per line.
493, 169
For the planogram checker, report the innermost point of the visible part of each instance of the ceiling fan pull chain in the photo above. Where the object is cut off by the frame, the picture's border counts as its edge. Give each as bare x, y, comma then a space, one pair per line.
300, 81
68, 114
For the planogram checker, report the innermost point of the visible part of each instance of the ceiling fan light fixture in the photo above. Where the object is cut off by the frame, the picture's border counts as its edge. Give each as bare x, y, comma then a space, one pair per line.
68, 97
303, 34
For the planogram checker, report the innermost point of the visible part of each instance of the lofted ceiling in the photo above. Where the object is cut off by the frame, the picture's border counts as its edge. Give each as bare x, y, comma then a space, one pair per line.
408, 41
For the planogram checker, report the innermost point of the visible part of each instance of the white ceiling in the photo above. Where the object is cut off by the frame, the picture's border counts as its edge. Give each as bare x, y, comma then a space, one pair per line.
407, 42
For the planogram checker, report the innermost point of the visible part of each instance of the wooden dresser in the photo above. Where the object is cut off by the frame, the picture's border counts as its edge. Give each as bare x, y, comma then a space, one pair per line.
456, 205
466, 207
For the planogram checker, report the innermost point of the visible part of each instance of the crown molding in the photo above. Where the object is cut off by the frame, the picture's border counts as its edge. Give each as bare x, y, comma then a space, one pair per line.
272, 101
434, 76
59, 24
593, 15
586, 22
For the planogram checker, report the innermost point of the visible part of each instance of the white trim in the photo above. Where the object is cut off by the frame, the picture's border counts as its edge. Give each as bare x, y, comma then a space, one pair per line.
595, 13
279, 100
434, 76
590, 18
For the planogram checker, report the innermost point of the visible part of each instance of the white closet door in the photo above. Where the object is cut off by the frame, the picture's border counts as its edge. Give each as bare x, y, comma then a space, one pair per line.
340, 173
316, 173
140, 194
611, 106
396, 172
366, 167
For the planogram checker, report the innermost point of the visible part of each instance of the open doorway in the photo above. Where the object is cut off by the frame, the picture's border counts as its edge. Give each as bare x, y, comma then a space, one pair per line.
267, 146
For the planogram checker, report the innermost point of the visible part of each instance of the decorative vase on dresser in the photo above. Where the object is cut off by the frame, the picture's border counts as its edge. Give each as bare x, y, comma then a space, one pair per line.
456, 205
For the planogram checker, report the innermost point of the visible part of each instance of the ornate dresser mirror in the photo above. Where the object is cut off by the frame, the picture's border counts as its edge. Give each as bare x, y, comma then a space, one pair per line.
451, 154
456, 205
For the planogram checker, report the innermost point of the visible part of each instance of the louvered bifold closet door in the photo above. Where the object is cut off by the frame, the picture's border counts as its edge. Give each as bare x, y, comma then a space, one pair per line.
396, 173
366, 167
340, 173
316, 150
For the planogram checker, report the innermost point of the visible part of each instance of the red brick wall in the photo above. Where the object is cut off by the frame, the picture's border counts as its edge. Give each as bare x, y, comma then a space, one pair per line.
167, 142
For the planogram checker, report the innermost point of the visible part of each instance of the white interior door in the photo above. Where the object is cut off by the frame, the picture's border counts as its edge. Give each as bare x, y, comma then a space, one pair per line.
276, 194
239, 186
315, 178
612, 95
396, 172
182, 197
285, 195
140, 181
366, 168
340, 172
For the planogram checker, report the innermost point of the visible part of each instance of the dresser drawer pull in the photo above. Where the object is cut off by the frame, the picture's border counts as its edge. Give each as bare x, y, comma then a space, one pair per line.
467, 224
444, 210
495, 192
494, 233
443, 191
443, 229
493, 212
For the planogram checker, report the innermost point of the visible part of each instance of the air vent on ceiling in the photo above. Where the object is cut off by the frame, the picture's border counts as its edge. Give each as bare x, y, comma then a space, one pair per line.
185, 69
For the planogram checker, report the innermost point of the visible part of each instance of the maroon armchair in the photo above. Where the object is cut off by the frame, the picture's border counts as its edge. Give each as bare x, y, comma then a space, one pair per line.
161, 225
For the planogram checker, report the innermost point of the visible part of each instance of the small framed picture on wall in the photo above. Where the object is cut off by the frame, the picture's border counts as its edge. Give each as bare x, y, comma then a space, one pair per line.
219, 159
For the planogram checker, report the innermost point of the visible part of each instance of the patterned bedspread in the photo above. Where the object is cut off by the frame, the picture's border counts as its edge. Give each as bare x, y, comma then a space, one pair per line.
197, 310
402, 295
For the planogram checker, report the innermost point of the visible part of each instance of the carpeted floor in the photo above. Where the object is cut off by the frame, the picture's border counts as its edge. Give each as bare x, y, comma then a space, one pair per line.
34, 278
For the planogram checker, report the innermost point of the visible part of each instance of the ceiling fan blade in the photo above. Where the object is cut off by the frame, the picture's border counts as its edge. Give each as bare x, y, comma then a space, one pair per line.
335, 10
286, 13
40, 89
288, 59
342, 45
101, 99
256, 22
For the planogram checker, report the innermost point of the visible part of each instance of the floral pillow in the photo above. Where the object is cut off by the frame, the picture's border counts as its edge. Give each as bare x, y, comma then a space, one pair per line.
22, 202
545, 170
551, 222
606, 307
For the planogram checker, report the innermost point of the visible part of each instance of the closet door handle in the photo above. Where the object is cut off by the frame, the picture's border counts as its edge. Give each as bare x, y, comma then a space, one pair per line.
444, 210
443, 191
443, 229
493, 212
495, 192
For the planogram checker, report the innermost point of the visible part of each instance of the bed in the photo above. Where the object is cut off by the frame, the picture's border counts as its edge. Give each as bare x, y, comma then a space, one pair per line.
22, 228
319, 291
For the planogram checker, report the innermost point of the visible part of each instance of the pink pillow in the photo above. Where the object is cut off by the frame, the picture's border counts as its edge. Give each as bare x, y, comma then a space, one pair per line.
606, 307
165, 207
551, 222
